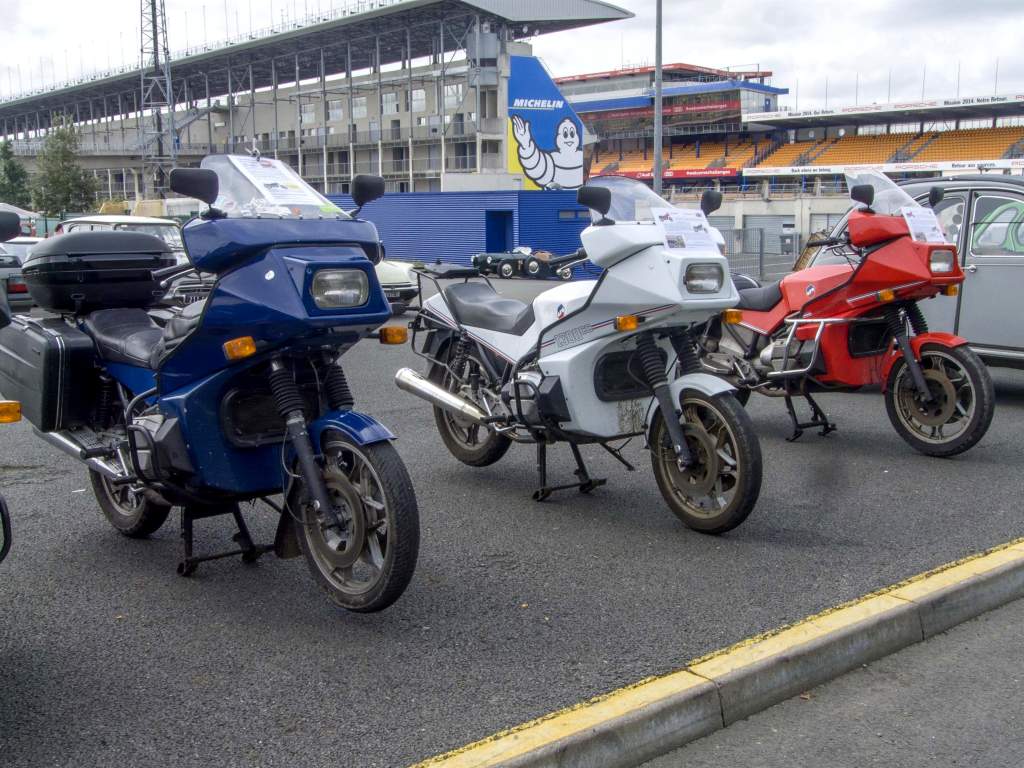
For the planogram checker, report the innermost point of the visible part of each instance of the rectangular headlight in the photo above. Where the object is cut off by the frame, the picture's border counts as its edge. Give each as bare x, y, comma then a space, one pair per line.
339, 288
703, 278
941, 262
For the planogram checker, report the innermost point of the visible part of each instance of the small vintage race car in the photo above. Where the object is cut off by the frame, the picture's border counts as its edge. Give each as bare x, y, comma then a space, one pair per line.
526, 262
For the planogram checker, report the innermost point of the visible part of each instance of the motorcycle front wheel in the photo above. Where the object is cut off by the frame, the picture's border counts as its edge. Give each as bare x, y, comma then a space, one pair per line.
368, 566
719, 490
962, 404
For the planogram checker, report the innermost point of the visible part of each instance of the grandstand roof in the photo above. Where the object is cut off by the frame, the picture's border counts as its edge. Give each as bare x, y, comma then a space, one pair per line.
680, 67
896, 112
329, 31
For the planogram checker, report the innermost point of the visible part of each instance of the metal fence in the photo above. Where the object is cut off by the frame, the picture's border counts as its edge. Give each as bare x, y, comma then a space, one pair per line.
749, 251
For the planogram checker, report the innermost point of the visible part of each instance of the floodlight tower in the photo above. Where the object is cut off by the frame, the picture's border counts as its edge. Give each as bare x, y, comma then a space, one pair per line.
156, 129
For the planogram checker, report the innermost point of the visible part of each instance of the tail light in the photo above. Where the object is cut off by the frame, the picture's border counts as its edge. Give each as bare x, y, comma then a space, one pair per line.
15, 285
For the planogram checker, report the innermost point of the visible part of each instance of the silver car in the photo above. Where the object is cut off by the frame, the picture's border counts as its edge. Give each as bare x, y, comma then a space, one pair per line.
10, 281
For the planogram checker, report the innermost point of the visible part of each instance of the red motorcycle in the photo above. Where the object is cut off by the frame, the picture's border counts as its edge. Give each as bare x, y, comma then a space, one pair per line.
839, 327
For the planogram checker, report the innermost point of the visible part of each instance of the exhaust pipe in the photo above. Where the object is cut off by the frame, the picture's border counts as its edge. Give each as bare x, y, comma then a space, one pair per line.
419, 385
72, 447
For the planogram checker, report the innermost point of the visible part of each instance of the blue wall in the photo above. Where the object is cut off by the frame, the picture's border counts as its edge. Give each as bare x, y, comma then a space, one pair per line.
451, 226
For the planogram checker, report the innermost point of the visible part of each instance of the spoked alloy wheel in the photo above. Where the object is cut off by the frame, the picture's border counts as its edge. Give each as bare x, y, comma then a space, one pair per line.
468, 442
718, 491
367, 566
963, 401
127, 508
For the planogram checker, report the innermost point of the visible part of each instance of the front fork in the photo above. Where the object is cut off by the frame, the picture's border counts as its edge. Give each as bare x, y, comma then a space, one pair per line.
897, 318
654, 371
290, 405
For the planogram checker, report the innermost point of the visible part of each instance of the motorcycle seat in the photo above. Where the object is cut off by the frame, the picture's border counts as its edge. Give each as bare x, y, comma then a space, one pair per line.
760, 299
478, 305
177, 329
123, 335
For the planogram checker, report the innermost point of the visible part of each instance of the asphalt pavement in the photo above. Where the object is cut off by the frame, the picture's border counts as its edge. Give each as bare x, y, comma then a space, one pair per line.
954, 700
108, 657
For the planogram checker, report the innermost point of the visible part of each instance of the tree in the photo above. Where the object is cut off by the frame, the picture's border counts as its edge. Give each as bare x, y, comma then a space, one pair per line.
13, 178
60, 184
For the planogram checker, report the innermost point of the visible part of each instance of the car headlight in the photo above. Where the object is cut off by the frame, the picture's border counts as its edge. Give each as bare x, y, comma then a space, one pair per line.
703, 278
337, 288
941, 262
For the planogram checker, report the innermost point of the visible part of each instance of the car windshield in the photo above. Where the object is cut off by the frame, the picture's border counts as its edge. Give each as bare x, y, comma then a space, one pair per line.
889, 198
263, 187
18, 249
632, 200
169, 233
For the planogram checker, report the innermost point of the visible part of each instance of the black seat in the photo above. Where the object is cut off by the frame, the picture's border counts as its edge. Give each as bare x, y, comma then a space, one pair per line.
761, 299
177, 329
478, 305
123, 335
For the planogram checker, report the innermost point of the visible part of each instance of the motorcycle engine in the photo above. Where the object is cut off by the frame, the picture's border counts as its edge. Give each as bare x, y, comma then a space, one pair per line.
528, 384
149, 425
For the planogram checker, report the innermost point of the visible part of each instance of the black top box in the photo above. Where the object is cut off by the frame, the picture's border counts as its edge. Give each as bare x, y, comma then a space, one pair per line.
84, 271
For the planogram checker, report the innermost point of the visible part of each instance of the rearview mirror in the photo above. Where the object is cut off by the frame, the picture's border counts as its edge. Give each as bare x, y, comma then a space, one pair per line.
710, 201
935, 195
863, 193
366, 189
200, 183
10, 225
596, 198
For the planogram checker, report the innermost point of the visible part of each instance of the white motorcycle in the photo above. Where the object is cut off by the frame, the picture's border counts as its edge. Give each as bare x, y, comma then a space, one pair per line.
599, 361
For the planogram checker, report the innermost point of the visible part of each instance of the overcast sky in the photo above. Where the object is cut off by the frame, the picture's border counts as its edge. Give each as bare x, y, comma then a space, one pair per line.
801, 42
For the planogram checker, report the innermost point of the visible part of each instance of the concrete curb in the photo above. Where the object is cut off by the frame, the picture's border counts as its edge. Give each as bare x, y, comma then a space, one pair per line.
634, 724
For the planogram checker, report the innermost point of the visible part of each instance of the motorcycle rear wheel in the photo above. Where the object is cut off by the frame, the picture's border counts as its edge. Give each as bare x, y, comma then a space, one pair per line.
719, 491
369, 569
962, 406
130, 511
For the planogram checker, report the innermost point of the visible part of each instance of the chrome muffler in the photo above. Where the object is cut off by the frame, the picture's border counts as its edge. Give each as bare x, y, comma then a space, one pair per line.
417, 384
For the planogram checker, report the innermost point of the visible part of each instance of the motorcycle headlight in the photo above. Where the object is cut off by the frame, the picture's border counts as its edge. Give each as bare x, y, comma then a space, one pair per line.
339, 288
941, 262
703, 278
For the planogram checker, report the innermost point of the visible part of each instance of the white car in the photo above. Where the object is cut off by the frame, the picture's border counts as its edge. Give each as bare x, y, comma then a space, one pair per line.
399, 284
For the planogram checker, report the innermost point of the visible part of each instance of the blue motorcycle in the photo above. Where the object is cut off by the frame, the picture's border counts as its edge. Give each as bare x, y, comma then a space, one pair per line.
237, 398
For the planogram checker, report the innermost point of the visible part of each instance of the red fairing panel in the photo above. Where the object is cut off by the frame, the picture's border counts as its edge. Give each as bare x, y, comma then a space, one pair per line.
797, 289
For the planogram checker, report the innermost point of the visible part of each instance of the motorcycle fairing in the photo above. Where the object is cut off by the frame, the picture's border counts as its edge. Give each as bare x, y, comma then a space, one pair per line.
798, 289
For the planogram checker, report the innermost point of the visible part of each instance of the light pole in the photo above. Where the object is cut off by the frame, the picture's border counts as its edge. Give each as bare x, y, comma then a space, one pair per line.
657, 100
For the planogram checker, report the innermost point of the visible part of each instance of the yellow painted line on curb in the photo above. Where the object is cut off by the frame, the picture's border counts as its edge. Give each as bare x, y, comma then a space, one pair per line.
590, 715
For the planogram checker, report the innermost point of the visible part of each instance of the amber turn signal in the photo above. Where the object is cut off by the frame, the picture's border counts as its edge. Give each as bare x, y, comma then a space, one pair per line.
242, 347
627, 323
732, 316
10, 411
393, 334
951, 290
886, 294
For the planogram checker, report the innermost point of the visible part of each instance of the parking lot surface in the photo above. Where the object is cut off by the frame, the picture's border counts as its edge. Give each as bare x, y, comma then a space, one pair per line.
107, 657
954, 700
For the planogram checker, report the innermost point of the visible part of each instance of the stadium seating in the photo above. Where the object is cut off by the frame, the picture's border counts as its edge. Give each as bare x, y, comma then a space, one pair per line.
862, 149
788, 154
977, 144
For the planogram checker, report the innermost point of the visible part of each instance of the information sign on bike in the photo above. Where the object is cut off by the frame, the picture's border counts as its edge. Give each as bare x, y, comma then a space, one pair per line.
276, 181
683, 228
923, 224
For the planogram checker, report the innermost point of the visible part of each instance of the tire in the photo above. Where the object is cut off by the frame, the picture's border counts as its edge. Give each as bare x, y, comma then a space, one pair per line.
506, 270
132, 514
742, 396
533, 267
565, 274
740, 442
387, 555
482, 453
976, 397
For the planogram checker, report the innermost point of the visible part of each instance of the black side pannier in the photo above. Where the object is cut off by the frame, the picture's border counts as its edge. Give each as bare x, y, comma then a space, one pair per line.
49, 366
105, 269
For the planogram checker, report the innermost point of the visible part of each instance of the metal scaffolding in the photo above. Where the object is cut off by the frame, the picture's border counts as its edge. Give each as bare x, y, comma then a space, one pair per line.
157, 137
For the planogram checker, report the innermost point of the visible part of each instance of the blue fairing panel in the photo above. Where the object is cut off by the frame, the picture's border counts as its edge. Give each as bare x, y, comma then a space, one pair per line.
360, 428
135, 379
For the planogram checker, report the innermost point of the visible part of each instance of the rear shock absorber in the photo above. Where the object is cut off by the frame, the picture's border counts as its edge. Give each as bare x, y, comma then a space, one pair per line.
339, 395
653, 365
105, 401
288, 400
460, 356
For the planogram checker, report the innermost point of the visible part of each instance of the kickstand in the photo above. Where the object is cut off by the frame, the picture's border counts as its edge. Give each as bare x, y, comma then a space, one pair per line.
585, 485
249, 551
818, 418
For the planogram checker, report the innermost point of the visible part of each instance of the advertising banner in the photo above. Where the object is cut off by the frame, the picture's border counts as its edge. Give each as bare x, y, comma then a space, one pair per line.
902, 106
951, 165
545, 135
681, 173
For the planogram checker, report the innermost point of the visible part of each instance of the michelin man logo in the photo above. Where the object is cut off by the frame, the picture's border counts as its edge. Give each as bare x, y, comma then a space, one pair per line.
559, 168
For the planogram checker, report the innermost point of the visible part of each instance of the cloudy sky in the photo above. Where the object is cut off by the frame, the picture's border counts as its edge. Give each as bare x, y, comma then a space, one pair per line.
801, 42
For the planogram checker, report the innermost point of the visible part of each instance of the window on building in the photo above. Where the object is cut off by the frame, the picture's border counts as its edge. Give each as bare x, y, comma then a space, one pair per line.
359, 107
904, 128
307, 113
940, 125
981, 122
1009, 122
335, 110
419, 100
872, 130
452, 96
389, 103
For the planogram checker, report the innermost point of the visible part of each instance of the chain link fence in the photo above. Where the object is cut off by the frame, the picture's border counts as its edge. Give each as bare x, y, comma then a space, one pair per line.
753, 253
